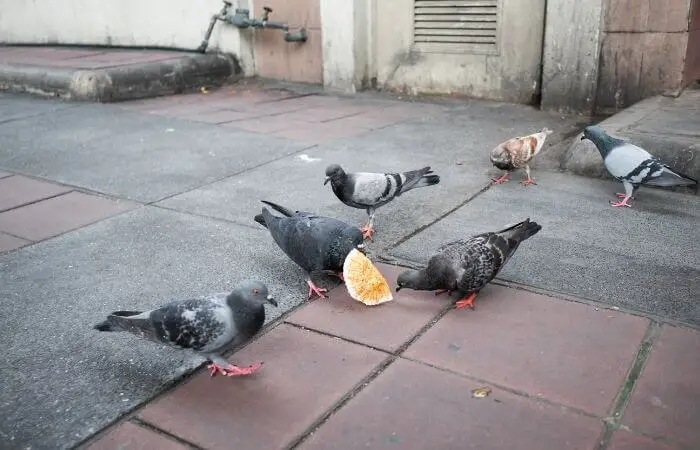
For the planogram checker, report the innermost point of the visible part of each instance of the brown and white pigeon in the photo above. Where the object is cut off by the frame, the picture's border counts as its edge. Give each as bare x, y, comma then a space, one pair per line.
207, 325
369, 190
517, 153
467, 265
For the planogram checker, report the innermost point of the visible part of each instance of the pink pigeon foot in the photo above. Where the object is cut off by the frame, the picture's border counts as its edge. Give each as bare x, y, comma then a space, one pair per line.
623, 202
233, 371
528, 181
313, 289
367, 232
621, 195
501, 180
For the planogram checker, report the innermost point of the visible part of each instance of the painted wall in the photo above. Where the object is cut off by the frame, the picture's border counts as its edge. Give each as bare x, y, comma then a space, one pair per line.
692, 55
512, 75
162, 23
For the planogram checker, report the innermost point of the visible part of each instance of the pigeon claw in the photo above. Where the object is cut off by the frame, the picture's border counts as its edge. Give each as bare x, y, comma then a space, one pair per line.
623, 202
367, 232
528, 181
233, 371
501, 180
467, 302
313, 289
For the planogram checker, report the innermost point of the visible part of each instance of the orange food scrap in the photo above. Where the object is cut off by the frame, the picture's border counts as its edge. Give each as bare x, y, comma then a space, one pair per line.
363, 281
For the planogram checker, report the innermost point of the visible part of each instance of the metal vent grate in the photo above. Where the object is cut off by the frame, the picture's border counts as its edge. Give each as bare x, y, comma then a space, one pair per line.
456, 25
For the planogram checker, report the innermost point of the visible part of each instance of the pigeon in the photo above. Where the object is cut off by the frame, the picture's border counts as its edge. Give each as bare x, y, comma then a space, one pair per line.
369, 191
517, 153
632, 165
467, 265
207, 325
317, 244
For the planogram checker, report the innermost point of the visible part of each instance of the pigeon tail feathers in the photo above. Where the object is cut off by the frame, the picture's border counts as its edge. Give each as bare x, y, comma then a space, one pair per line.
523, 230
427, 180
672, 178
281, 209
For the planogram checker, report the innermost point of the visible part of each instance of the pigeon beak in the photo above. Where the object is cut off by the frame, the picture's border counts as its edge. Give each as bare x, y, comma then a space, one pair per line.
583, 137
398, 288
272, 301
361, 249
326, 180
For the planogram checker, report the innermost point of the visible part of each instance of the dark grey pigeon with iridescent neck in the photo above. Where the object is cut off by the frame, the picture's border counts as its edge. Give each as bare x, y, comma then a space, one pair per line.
632, 165
207, 325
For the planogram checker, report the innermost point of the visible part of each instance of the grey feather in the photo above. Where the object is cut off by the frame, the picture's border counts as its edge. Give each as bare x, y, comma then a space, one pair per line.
632, 165
365, 190
208, 324
467, 265
315, 243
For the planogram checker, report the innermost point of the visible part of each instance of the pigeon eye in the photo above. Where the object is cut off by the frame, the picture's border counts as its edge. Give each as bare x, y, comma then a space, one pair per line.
256, 292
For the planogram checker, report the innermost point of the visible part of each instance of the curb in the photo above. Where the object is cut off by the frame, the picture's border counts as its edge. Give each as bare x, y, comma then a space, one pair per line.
129, 82
682, 153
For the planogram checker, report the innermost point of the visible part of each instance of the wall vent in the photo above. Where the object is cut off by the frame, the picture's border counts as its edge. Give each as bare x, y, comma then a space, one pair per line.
456, 26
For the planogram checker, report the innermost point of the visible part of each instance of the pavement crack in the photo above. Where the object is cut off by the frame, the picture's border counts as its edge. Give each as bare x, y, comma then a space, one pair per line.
149, 426
613, 421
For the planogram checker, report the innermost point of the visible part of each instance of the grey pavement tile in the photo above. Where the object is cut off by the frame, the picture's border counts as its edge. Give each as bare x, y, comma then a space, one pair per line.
136, 156
9, 242
642, 258
16, 106
63, 381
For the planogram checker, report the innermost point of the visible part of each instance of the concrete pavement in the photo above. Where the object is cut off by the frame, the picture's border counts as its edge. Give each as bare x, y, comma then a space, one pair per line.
180, 179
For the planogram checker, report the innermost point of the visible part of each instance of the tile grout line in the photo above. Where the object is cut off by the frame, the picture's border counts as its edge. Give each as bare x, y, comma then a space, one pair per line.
359, 387
34, 202
415, 265
613, 421
153, 428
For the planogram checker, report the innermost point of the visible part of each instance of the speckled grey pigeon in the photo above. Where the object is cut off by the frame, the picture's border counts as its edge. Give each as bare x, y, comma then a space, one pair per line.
207, 325
317, 244
467, 265
632, 165
369, 191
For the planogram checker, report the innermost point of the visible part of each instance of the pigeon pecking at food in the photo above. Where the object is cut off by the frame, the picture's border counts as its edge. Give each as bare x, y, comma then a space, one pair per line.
467, 265
207, 325
517, 153
317, 244
369, 191
633, 165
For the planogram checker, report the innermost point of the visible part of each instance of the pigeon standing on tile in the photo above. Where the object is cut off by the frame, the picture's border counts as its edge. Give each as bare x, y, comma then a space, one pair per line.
369, 191
517, 153
632, 165
317, 244
467, 265
207, 325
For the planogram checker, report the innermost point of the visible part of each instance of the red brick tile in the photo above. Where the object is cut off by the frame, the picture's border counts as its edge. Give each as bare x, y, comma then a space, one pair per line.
387, 326
128, 436
325, 114
315, 133
412, 406
624, 440
8, 242
564, 351
267, 124
59, 214
305, 374
18, 190
666, 401
220, 116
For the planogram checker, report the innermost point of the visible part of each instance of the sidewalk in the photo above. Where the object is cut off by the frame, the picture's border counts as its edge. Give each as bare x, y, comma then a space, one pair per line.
110, 75
123, 206
339, 375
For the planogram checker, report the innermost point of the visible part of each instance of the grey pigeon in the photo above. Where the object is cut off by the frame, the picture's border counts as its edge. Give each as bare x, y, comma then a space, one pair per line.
207, 325
632, 165
317, 244
369, 191
467, 265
